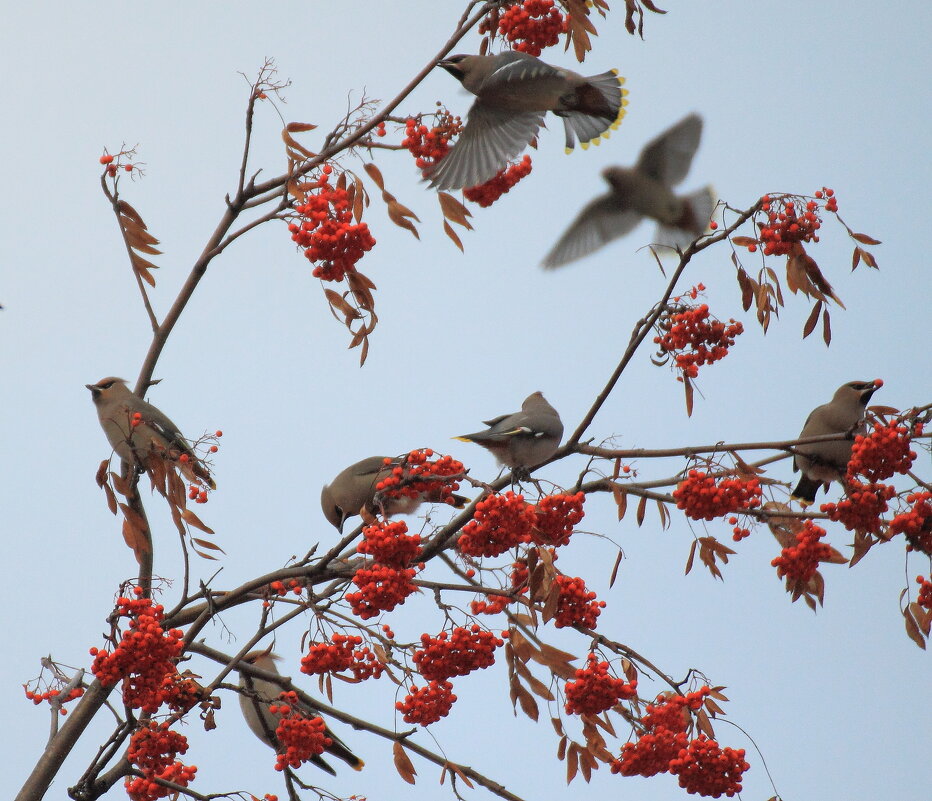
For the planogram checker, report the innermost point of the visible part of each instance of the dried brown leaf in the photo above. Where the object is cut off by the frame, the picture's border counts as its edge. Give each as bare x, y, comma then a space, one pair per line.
691, 557
453, 210
193, 520
462, 776
375, 174
399, 214
826, 327
743, 241
688, 387
621, 500
299, 127
403, 763
912, 629
813, 318
572, 762
864, 239
528, 704
642, 508
614, 573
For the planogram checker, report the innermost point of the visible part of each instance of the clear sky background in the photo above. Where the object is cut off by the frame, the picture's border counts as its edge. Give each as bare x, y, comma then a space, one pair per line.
794, 95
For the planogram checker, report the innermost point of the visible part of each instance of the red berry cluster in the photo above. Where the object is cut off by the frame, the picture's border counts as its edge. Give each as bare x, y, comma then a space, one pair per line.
390, 544
862, 506
418, 477
705, 769
532, 25
343, 652
327, 233
153, 749
663, 736
107, 160
499, 523
180, 693
145, 656
594, 690
556, 517
791, 220
301, 737
576, 605
916, 523
799, 562
924, 599
688, 333
293, 586
48, 695
381, 589
704, 497
429, 145
881, 453
457, 653
499, 184
426, 705
496, 603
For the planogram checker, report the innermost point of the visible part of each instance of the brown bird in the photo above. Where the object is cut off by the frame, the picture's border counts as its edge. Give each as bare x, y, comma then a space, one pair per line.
513, 92
524, 439
824, 462
355, 488
136, 438
254, 703
644, 190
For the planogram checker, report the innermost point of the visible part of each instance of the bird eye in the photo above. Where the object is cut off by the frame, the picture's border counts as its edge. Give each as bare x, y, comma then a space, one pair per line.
106, 385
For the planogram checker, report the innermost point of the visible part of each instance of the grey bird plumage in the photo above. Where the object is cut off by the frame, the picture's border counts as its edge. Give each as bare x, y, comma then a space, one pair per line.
645, 190
523, 439
514, 91
154, 434
355, 488
254, 704
824, 462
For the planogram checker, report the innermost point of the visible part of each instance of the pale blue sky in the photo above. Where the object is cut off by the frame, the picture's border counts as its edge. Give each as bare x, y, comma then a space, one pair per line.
794, 96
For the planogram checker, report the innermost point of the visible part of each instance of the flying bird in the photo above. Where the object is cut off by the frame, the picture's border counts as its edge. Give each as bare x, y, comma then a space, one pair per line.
355, 487
523, 439
254, 703
136, 430
645, 190
824, 462
513, 92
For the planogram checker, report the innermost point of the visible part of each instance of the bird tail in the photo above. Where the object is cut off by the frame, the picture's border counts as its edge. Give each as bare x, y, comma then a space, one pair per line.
806, 490
694, 221
600, 106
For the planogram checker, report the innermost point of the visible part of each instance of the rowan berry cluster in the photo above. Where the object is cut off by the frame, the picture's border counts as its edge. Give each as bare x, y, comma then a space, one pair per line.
145, 656
924, 599
861, 508
153, 749
556, 517
532, 25
704, 497
195, 493
799, 562
496, 603
343, 652
426, 705
418, 477
180, 693
48, 695
594, 690
790, 220
881, 453
704, 768
107, 160
301, 737
381, 589
456, 653
499, 184
663, 736
576, 605
738, 532
284, 587
429, 145
694, 339
916, 524
326, 230
499, 523
390, 544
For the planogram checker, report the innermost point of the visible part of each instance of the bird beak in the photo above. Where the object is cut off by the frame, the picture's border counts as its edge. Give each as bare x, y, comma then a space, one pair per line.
95, 390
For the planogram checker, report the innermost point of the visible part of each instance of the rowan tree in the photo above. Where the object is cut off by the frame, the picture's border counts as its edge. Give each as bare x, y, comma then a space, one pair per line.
397, 618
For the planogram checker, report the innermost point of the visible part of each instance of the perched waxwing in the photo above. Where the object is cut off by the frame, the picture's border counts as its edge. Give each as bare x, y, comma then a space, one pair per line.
824, 462
513, 92
644, 190
135, 438
524, 439
254, 702
355, 488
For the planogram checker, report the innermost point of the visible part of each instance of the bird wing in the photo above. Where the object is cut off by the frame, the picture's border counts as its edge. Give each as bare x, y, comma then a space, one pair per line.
513, 66
491, 137
596, 225
668, 156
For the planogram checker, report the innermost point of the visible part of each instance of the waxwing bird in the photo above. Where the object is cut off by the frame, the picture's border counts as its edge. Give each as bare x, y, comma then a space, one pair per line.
824, 462
136, 438
513, 92
645, 190
524, 439
254, 703
355, 488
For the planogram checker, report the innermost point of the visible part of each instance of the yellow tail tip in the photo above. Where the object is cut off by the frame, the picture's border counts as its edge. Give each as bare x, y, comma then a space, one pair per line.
566, 150
359, 766
467, 439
